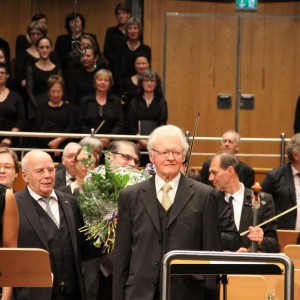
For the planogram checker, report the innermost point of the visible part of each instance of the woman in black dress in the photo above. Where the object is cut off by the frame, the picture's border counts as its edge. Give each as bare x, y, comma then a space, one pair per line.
101, 110
9, 168
39, 72
149, 110
12, 115
126, 54
55, 115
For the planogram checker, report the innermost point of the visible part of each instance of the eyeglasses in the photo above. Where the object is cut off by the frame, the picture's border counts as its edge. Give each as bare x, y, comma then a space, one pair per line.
35, 33
128, 157
7, 167
165, 154
86, 162
41, 171
149, 80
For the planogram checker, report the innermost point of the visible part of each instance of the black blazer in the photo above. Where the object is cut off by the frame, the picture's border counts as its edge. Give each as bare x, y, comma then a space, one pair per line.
246, 174
31, 235
60, 178
280, 184
193, 225
266, 211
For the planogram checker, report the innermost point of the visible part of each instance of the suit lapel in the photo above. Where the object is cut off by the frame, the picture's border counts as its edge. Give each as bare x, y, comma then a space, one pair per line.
26, 204
246, 212
67, 209
290, 181
183, 195
149, 198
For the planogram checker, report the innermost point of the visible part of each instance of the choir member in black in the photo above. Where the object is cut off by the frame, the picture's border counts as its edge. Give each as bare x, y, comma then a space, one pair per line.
75, 63
149, 110
81, 82
63, 45
115, 36
23, 41
38, 74
56, 115
102, 108
12, 115
36, 30
130, 85
128, 51
10, 82
297, 117
5, 46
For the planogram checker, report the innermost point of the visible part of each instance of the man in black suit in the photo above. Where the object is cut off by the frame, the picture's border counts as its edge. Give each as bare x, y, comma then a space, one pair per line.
67, 173
224, 176
152, 222
283, 184
230, 143
50, 220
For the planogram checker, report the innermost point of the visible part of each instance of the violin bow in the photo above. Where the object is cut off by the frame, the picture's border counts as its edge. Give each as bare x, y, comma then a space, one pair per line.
192, 145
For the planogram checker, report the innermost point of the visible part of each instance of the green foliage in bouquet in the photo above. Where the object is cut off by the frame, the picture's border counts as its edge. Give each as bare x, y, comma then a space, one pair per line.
99, 201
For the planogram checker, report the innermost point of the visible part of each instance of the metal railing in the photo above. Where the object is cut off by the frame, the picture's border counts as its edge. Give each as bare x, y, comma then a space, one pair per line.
281, 141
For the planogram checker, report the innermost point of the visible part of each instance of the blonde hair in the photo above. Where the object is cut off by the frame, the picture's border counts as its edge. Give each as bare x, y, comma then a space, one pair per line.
104, 72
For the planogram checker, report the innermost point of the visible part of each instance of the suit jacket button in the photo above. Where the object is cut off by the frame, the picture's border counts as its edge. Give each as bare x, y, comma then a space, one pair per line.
156, 263
153, 284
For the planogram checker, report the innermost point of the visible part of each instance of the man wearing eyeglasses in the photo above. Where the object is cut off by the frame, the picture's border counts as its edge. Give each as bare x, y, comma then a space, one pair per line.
121, 153
167, 212
67, 173
50, 219
124, 153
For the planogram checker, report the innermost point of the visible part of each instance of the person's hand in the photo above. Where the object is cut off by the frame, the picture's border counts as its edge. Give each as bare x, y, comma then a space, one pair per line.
5, 143
15, 129
23, 83
54, 144
243, 249
256, 234
143, 144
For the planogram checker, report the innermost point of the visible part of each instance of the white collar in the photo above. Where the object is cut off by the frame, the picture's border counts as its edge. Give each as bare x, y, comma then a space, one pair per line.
36, 197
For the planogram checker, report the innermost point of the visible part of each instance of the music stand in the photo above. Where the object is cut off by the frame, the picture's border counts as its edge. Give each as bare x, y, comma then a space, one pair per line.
215, 263
25, 267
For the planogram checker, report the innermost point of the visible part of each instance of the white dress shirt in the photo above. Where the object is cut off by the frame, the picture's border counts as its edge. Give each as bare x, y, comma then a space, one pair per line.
53, 203
237, 202
159, 182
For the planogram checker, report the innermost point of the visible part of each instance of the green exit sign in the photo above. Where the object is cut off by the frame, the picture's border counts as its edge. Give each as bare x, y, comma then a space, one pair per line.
246, 4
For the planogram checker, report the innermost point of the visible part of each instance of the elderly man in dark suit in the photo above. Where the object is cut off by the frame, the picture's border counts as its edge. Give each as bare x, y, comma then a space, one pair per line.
224, 176
283, 184
230, 143
67, 172
167, 212
50, 220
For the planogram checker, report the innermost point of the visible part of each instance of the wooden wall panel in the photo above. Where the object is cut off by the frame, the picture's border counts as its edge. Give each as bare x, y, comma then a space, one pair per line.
261, 65
200, 64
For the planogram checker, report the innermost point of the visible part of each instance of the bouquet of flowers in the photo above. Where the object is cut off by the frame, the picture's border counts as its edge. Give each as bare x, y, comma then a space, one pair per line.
99, 201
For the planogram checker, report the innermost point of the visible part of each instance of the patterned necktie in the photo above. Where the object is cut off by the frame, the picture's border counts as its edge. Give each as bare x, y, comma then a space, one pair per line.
166, 201
48, 210
231, 206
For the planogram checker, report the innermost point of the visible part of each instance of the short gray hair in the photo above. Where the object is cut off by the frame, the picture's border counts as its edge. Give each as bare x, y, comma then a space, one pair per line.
237, 135
171, 130
293, 146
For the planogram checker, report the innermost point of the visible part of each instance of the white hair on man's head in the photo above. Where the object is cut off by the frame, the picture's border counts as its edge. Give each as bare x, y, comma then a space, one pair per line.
168, 130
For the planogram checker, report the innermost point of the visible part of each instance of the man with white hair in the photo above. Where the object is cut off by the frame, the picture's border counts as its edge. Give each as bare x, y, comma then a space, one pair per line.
50, 219
164, 213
